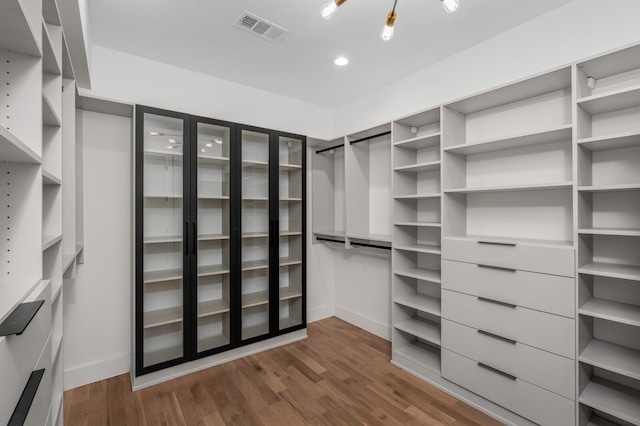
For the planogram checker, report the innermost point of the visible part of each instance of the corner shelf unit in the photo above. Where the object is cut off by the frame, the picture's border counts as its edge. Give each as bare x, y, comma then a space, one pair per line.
608, 236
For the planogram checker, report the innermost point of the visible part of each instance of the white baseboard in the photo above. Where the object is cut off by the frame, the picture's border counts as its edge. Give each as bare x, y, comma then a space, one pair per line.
320, 313
90, 373
369, 324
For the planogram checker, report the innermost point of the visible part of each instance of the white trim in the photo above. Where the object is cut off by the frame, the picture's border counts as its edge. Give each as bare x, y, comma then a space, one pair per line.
369, 324
90, 373
320, 313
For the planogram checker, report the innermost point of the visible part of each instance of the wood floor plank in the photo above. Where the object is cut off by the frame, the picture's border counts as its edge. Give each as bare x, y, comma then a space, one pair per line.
340, 375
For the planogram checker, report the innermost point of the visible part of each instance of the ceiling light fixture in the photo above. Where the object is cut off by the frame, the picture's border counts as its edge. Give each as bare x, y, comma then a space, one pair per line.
327, 11
341, 61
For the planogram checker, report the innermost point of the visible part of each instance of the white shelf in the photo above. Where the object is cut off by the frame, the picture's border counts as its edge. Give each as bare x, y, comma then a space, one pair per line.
205, 271
616, 141
166, 354
420, 248
284, 200
50, 116
265, 199
610, 231
612, 311
285, 323
255, 235
67, 261
428, 304
290, 233
50, 240
179, 239
165, 196
613, 399
420, 167
288, 261
213, 197
417, 197
610, 188
330, 234
619, 359
212, 307
211, 159
14, 150
213, 342
421, 354
176, 274
529, 241
56, 348
163, 317
424, 274
253, 265
381, 238
254, 331
163, 153
614, 100
422, 329
287, 293
420, 224
556, 134
17, 32
50, 61
625, 272
284, 166
256, 164
510, 188
420, 142
49, 178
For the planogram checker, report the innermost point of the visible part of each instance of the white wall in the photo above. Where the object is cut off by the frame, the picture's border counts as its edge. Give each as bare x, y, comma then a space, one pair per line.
130, 78
97, 303
578, 30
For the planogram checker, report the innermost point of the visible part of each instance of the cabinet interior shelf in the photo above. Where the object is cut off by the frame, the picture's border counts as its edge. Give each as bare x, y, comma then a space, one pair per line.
56, 290
422, 329
610, 188
568, 245
623, 313
67, 261
285, 166
611, 398
213, 197
165, 196
162, 317
247, 199
420, 142
176, 274
56, 348
255, 235
252, 265
374, 238
255, 299
556, 134
420, 224
255, 164
419, 167
420, 248
160, 355
213, 160
14, 150
428, 304
212, 307
49, 178
254, 331
17, 32
330, 234
49, 241
615, 141
511, 188
179, 238
421, 354
288, 322
610, 231
288, 261
424, 274
50, 61
50, 116
614, 100
611, 270
611, 357
417, 196
287, 293
213, 341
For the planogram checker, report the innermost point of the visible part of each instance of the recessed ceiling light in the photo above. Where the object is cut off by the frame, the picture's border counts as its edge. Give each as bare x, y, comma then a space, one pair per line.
341, 61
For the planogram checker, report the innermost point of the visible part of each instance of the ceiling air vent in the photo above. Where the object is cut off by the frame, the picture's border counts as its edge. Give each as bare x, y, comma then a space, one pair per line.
260, 27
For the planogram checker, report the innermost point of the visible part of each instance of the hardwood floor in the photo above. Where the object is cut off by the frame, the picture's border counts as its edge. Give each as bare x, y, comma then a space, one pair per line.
340, 375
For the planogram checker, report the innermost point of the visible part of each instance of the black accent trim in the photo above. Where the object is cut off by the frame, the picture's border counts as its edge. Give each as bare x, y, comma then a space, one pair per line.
186, 238
497, 302
367, 138
495, 336
21, 411
20, 318
320, 151
495, 370
329, 239
499, 268
495, 243
370, 245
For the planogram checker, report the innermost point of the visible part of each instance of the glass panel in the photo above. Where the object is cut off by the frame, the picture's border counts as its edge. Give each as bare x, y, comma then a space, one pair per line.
290, 224
213, 147
163, 233
255, 234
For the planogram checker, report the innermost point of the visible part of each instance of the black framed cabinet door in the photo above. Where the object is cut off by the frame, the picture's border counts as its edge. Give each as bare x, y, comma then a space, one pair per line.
162, 244
212, 194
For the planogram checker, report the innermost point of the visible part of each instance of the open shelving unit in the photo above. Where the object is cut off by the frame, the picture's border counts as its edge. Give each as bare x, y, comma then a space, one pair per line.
608, 194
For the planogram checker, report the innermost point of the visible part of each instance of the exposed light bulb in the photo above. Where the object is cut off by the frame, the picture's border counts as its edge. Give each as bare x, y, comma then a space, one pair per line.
387, 31
341, 61
172, 141
152, 133
208, 145
328, 9
450, 6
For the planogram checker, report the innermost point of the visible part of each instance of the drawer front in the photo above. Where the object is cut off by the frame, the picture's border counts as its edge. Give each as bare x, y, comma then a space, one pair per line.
527, 400
549, 371
525, 257
542, 292
20, 354
549, 332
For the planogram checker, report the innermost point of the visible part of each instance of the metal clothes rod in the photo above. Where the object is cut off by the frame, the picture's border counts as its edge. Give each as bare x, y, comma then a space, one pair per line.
371, 137
329, 239
330, 148
371, 245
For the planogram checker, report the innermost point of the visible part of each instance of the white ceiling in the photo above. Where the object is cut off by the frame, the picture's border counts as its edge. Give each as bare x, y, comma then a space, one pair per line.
198, 35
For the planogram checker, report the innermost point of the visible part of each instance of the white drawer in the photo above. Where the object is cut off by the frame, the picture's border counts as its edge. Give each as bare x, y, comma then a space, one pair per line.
20, 354
542, 292
549, 332
538, 367
524, 256
527, 400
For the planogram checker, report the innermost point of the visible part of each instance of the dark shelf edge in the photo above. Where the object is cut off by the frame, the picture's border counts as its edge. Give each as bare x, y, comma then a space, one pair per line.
26, 399
18, 320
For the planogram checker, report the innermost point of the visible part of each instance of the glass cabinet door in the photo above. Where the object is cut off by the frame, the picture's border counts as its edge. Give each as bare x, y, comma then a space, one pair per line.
161, 282
255, 230
290, 215
212, 145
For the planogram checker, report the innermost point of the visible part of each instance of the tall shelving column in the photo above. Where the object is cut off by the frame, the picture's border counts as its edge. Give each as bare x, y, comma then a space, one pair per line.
608, 147
416, 313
